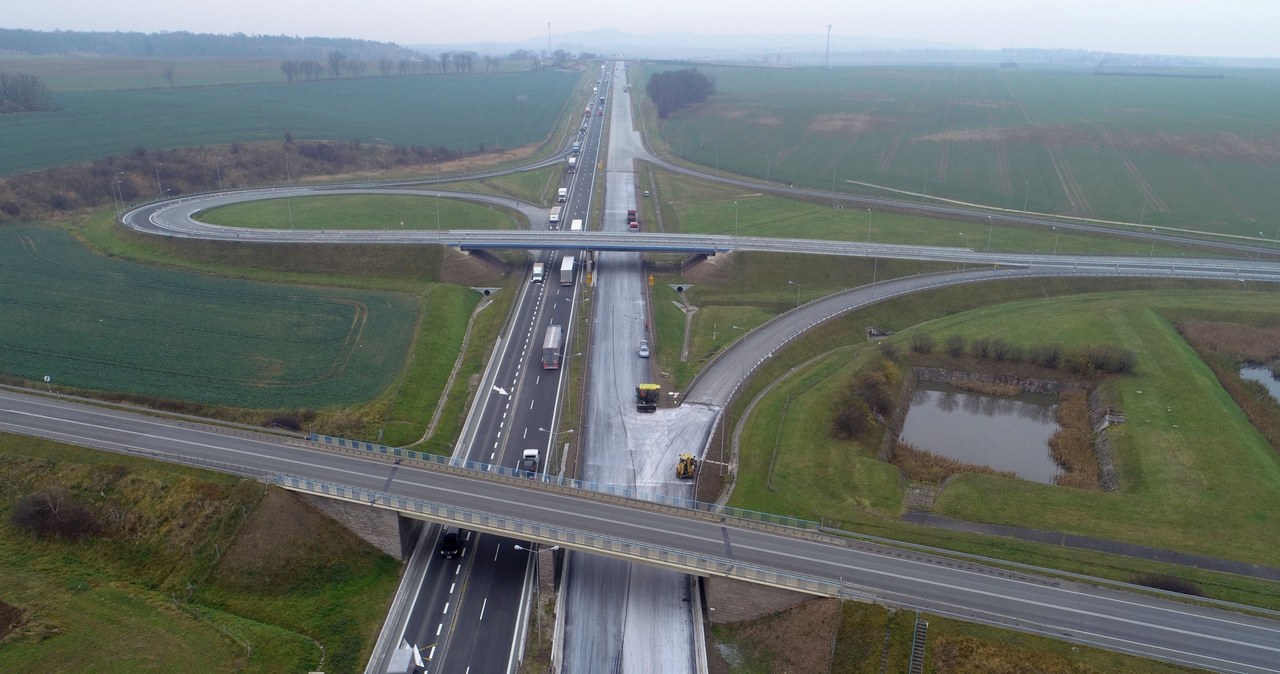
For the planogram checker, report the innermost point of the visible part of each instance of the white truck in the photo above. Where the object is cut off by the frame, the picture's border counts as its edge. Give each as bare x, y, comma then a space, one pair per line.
576, 225
555, 217
538, 268
566, 271
573, 164
529, 463
562, 194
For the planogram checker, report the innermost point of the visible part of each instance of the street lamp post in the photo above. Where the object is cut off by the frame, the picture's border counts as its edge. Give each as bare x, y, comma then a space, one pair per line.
735, 218
991, 228
1026, 194
1056, 234
1152, 253
797, 285
966, 245
217, 165
159, 187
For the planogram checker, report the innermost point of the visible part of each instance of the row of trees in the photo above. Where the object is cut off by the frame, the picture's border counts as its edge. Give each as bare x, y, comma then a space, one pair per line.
1088, 359
339, 64
185, 44
23, 93
675, 89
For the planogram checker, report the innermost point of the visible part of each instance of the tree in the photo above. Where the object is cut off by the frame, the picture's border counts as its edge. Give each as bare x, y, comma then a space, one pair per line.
385, 65
167, 73
445, 59
674, 89
23, 93
955, 345
291, 70
336, 60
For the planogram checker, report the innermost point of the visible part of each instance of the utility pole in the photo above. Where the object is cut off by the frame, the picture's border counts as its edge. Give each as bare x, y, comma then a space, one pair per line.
826, 60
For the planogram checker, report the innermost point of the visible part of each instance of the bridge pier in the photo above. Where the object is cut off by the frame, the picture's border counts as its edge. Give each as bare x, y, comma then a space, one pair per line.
384, 529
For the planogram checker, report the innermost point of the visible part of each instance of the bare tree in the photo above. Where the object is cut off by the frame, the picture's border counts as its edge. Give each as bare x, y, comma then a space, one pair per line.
445, 59
167, 73
291, 69
385, 65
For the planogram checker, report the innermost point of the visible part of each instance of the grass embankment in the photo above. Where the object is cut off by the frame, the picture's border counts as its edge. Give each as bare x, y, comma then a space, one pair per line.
193, 571
364, 211
1193, 474
824, 635
536, 187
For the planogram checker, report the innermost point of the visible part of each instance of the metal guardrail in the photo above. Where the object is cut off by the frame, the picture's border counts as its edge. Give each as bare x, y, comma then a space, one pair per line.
574, 538
586, 488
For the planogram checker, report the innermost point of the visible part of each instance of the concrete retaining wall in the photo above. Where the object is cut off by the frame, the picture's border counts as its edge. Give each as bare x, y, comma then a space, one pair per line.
383, 529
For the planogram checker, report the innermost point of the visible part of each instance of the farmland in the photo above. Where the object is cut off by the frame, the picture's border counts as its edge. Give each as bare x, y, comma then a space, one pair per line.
102, 323
1202, 154
468, 113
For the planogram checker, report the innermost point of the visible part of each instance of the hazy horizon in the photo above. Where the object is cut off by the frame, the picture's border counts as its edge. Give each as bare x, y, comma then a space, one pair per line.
1243, 28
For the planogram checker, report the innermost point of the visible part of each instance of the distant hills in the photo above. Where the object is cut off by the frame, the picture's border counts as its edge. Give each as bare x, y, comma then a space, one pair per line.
191, 45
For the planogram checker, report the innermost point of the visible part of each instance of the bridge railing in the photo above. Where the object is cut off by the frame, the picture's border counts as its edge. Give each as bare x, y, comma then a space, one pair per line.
575, 538
569, 483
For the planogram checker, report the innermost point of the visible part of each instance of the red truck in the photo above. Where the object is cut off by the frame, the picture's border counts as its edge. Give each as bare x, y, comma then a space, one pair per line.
633, 222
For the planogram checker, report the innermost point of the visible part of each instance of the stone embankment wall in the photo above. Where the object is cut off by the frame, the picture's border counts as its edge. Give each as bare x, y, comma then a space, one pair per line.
731, 601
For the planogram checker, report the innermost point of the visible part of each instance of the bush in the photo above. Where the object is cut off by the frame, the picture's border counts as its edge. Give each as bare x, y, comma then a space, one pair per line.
53, 513
889, 350
922, 342
980, 348
851, 419
1000, 349
955, 345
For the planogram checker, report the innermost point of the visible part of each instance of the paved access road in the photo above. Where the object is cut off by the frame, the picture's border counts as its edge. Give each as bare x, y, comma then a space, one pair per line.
1209, 638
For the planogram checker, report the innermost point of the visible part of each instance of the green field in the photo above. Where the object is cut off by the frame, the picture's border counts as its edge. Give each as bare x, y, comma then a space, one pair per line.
1200, 153
696, 206
364, 211
1193, 474
101, 323
190, 571
460, 113
74, 73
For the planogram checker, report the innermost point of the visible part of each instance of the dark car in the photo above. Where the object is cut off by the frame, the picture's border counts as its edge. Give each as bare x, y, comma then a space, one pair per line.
450, 543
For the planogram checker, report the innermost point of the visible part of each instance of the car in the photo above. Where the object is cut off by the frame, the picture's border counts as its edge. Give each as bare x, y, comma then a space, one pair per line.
644, 348
450, 543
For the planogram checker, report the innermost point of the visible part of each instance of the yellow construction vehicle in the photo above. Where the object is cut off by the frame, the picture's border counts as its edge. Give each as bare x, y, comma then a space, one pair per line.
687, 467
647, 397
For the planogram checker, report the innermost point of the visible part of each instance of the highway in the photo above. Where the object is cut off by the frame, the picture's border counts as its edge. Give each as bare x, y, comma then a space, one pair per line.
1056, 614
466, 605
1204, 637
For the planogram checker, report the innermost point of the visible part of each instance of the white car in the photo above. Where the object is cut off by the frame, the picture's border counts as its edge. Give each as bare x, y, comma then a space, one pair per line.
644, 348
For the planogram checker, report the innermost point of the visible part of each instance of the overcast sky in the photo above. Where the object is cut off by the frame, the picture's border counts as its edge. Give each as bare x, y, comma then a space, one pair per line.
1185, 27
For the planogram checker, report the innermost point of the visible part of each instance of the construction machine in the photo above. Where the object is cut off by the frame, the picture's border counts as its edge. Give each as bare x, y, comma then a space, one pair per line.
687, 467
647, 397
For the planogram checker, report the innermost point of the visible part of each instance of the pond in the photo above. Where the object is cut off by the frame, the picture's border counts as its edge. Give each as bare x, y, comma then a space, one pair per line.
1262, 375
1005, 433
